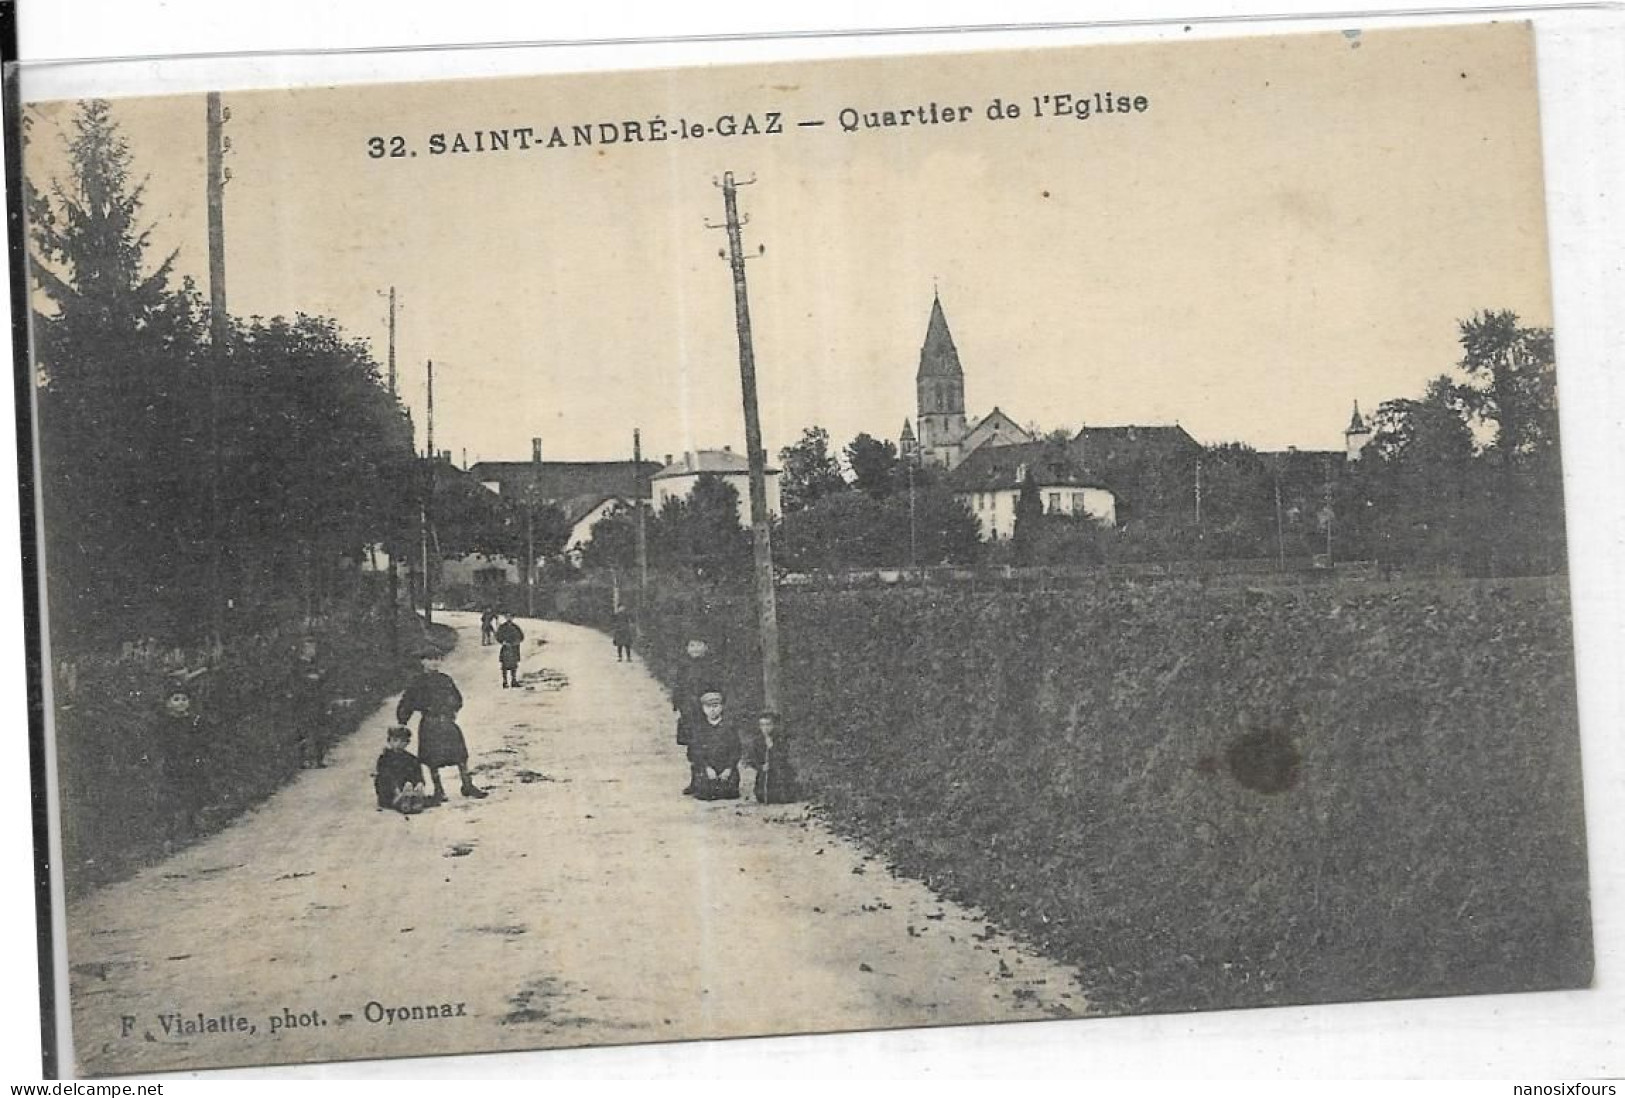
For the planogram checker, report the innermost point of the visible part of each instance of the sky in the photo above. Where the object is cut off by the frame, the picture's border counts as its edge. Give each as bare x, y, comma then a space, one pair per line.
1291, 224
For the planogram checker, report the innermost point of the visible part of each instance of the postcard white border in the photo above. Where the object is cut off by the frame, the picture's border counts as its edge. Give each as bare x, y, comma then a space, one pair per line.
1582, 79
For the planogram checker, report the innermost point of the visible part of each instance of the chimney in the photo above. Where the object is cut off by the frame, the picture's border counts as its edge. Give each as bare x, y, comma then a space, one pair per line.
536, 450
688, 459
727, 449
668, 459
445, 456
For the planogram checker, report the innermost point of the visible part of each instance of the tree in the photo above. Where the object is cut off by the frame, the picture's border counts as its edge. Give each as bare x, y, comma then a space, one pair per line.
1511, 385
945, 531
856, 530
1422, 481
702, 532
281, 442
1029, 517
810, 471
118, 366
614, 541
874, 465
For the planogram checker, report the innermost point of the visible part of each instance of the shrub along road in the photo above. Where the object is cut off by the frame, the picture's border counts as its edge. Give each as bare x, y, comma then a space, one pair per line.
584, 902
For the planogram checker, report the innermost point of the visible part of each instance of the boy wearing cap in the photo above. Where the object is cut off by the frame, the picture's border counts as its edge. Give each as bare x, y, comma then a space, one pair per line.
714, 750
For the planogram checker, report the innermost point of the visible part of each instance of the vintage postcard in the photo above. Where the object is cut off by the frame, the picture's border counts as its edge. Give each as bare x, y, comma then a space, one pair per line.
655, 555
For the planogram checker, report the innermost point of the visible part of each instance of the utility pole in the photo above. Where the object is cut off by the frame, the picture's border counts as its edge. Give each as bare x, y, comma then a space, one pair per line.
426, 512
530, 526
392, 341
1280, 536
219, 324
394, 567
913, 536
766, 610
1201, 541
642, 537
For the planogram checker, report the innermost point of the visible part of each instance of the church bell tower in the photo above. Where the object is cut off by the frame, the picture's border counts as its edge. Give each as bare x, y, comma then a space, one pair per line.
940, 390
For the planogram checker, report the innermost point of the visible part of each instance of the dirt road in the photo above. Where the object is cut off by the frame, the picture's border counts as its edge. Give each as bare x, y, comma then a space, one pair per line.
584, 902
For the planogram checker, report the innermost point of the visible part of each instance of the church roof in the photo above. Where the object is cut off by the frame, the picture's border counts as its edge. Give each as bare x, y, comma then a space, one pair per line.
1002, 467
938, 355
908, 431
1357, 424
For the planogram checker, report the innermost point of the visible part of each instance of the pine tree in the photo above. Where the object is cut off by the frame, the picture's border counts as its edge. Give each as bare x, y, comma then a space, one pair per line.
1029, 517
117, 358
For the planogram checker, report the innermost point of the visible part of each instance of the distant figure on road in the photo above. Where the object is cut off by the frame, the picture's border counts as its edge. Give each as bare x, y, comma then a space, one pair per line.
510, 636
440, 741
713, 754
622, 635
308, 705
398, 777
488, 625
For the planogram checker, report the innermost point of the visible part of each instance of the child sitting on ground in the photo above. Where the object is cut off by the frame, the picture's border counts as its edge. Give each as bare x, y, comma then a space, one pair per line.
398, 779
714, 750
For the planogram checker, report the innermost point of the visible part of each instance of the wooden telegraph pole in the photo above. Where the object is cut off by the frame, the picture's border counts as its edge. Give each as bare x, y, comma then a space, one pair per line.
642, 537
426, 511
530, 526
219, 324
767, 614
394, 568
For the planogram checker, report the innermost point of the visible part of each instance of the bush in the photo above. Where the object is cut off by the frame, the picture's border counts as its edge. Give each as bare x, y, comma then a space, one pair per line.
125, 798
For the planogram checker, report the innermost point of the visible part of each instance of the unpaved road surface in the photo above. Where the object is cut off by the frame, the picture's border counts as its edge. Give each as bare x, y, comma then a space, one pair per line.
584, 902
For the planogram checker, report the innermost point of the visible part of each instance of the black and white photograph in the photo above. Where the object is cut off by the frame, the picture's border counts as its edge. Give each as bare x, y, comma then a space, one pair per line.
652, 555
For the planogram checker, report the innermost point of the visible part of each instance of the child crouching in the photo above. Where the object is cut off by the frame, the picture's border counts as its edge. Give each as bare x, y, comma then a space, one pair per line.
398, 779
713, 751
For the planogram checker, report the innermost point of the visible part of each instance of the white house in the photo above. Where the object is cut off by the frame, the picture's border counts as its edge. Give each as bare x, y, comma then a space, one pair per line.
678, 478
988, 482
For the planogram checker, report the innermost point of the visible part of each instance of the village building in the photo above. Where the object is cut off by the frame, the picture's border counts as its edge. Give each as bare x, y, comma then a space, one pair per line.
586, 492
1116, 474
678, 479
989, 483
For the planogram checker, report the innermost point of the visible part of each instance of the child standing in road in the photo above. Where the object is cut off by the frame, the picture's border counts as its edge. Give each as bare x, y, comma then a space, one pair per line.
308, 705
622, 636
510, 636
440, 740
398, 777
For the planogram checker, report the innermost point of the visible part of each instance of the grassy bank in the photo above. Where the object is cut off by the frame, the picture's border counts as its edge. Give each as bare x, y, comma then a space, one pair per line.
1208, 798
128, 796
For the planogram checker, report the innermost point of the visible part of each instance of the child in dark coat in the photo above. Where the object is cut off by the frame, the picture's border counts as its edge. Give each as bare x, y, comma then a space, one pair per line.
622, 636
440, 740
510, 637
398, 777
700, 671
769, 754
714, 752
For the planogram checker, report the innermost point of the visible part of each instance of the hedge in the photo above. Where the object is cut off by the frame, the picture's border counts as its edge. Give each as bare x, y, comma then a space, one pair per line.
1204, 798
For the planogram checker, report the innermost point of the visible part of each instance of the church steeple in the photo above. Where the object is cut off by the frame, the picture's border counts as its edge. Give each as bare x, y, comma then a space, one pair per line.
938, 355
940, 388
